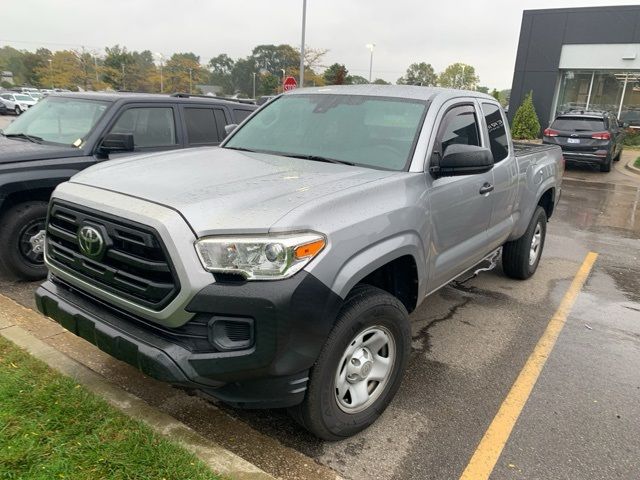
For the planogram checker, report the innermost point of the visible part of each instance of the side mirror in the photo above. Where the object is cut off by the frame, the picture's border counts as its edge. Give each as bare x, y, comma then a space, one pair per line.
465, 160
230, 128
117, 142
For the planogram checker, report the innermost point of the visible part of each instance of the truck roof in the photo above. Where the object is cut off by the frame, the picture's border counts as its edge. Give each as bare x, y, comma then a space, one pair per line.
397, 91
145, 97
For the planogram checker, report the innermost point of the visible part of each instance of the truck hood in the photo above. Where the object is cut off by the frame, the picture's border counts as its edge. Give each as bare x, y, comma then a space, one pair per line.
220, 190
14, 150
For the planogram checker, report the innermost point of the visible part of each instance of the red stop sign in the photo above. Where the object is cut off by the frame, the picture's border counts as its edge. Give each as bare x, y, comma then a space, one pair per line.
289, 84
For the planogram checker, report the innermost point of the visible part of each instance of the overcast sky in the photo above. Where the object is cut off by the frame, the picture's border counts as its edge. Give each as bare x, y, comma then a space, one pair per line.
480, 33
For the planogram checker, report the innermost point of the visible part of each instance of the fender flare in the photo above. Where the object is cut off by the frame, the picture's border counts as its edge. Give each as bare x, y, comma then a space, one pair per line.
378, 254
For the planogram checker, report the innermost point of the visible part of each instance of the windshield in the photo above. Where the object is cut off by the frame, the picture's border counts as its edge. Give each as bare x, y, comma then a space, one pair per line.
370, 131
23, 97
60, 120
578, 124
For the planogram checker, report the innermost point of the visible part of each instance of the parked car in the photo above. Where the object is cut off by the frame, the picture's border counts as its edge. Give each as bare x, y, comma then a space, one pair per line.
631, 118
587, 137
3, 108
65, 133
279, 269
35, 95
17, 102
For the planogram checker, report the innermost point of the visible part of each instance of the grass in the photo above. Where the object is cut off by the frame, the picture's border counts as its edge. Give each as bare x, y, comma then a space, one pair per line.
53, 428
637, 162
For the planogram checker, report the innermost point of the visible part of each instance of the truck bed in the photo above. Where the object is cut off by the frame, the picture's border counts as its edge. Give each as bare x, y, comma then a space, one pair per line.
525, 148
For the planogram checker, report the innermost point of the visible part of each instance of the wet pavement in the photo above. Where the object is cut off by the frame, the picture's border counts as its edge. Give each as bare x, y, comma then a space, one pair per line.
471, 339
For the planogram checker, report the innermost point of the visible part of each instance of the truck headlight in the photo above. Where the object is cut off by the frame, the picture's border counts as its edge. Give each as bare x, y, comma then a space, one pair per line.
268, 257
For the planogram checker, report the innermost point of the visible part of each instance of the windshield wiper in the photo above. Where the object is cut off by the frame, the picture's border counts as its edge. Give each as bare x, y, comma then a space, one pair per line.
31, 138
319, 158
241, 149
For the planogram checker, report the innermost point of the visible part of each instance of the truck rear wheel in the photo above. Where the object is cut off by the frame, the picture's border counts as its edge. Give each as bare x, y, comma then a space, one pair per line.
520, 258
360, 367
22, 241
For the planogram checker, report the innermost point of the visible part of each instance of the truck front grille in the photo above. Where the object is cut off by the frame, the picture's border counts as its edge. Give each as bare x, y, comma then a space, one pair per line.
122, 257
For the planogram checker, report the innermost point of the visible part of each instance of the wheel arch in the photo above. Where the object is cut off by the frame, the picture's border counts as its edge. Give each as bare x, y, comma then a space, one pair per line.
396, 265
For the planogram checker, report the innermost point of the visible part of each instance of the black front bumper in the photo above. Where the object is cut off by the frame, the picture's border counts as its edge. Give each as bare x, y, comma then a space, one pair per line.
291, 318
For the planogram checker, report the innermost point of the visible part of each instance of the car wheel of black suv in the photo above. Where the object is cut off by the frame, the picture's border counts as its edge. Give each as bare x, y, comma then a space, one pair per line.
606, 166
22, 238
520, 258
618, 157
360, 367
17, 110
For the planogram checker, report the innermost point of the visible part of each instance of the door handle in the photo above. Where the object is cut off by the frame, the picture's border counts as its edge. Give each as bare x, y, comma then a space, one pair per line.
486, 188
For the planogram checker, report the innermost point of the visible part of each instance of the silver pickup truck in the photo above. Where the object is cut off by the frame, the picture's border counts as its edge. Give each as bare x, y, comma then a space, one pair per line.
279, 269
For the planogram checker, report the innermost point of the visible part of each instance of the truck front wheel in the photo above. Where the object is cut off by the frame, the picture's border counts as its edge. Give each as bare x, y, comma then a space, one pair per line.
360, 367
22, 241
520, 258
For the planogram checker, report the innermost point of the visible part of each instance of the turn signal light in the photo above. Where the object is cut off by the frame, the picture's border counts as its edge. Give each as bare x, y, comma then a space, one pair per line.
601, 136
309, 249
548, 132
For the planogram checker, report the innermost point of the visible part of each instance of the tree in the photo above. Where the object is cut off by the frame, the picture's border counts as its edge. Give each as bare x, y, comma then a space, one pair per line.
380, 81
221, 68
495, 94
65, 71
525, 122
336, 74
421, 74
459, 75
482, 89
242, 76
275, 58
356, 80
183, 72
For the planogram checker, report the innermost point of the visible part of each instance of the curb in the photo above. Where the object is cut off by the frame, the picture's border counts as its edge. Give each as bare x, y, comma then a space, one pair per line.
629, 166
220, 460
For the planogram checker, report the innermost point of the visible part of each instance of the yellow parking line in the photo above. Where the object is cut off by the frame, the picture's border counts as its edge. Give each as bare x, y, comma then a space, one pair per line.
490, 447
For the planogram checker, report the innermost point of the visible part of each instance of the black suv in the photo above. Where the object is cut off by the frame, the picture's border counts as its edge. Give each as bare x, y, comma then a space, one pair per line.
67, 132
587, 136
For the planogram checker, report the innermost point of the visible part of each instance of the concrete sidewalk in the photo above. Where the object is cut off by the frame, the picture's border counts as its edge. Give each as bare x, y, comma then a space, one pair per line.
72, 356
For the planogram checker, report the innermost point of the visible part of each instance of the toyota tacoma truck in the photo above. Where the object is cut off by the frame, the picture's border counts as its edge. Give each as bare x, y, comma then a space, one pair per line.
67, 132
279, 269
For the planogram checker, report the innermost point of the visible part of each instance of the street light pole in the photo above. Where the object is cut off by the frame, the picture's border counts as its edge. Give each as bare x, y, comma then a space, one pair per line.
190, 88
304, 26
283, 75
161, 79
51, 73
123, 82
95, 63
370, 46
254, 85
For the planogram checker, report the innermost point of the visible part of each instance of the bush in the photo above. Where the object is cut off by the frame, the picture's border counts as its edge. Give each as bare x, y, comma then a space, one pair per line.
632, 138
525, 122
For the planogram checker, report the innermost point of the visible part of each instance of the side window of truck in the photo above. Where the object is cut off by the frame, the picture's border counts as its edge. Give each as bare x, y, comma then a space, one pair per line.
498, 141
241, 114
150, 126
459, 126
201, 125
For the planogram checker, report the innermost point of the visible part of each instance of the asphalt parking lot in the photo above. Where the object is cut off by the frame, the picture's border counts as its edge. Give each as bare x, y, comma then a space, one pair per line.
470, 342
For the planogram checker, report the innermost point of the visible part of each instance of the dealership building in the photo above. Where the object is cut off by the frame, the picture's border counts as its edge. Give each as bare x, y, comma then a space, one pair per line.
579, 59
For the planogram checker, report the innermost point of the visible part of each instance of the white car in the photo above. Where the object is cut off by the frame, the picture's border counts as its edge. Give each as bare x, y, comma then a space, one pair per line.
35, 95
18, 102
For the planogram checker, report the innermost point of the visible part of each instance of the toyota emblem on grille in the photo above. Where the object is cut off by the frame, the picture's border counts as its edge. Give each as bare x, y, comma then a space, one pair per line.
90, 241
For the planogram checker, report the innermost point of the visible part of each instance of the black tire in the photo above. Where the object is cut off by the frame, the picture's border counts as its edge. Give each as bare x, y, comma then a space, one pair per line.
606, 166
617, 157
16, 225
17, 110
364, 308
516, 255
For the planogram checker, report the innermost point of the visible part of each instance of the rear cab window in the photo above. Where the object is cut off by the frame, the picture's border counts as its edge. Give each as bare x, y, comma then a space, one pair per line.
498, 141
